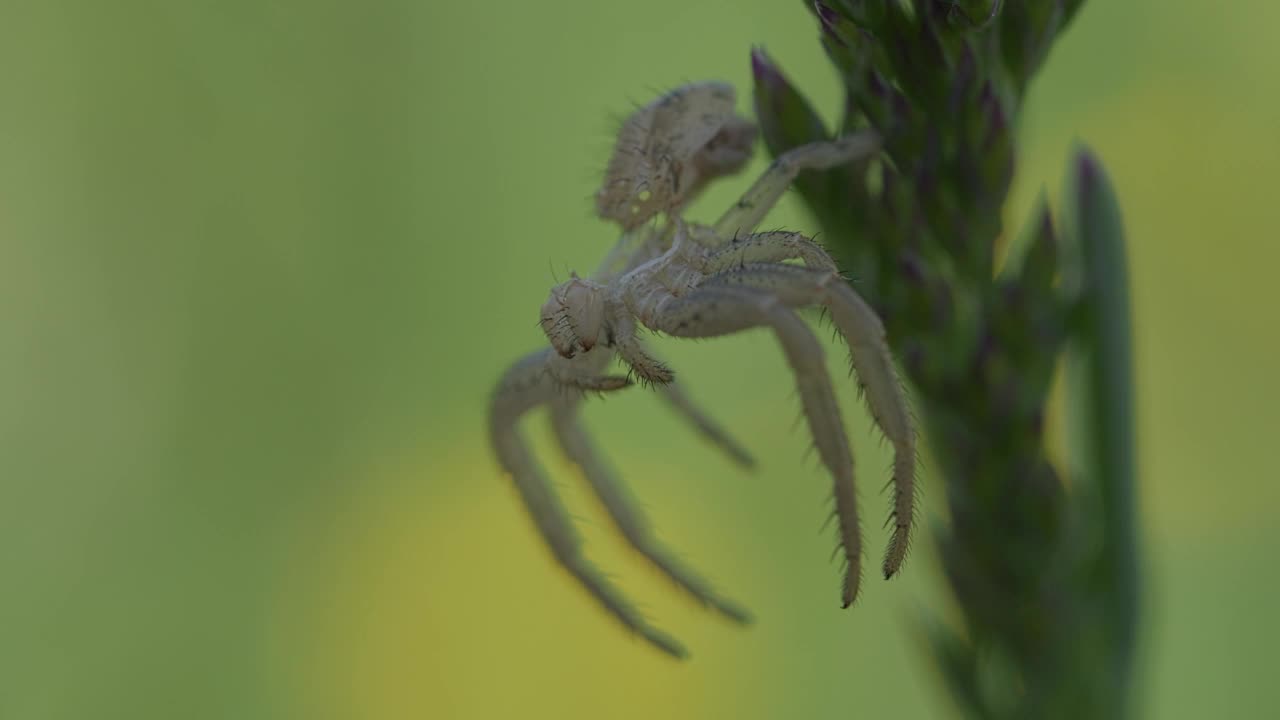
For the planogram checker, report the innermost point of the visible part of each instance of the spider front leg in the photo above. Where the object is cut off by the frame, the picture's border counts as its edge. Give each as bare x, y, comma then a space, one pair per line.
623, 326
582, 373
747, 213
654, 371
682, 404
625, 512
714, 311
872, 362
526, 386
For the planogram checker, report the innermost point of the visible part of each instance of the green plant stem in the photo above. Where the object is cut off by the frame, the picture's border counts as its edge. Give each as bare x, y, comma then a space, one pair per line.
1044, 576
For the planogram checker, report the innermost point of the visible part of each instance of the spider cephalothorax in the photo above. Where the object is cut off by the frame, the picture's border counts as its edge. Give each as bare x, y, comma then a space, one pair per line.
698, 281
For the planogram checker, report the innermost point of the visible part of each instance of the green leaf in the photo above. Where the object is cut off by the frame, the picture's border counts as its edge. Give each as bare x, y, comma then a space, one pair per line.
1028, 30
786, 118
1040, 253
1100, 383
954, 658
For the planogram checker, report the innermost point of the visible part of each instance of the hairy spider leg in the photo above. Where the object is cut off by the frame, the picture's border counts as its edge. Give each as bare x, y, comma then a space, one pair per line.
679, 401
526, 386
750, 210
715, 311
627, 517
571, 375
537, 380
769, 247
871, 361
628, 346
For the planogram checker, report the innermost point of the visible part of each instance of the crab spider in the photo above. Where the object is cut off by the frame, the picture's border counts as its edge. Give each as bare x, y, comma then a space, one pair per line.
698, 281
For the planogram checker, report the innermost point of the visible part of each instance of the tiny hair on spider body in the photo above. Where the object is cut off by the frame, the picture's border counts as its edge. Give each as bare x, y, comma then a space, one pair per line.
683, 279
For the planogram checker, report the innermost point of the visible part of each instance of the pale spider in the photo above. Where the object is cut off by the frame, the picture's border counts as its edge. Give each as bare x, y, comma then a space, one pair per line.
698, 281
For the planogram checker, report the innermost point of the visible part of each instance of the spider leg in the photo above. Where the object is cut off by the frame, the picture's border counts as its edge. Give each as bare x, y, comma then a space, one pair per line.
624, 510
869, 354
715, 311
526, 386
744, 216
648, 368
768, 247
653, 370
583, 372
680, 401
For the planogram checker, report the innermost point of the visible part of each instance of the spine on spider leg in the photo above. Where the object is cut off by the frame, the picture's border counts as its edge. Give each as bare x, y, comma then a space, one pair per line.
1049, 612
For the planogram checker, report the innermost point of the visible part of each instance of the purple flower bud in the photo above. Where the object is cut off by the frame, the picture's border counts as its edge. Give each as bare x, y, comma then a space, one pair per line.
1044, 233
830, 20
911, 268
764, 71
1086, 174
962, 80
1037, 421
913, 357
876, 86
993, 110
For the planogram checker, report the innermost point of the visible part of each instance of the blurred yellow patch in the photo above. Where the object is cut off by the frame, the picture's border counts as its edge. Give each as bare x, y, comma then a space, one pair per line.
422, 603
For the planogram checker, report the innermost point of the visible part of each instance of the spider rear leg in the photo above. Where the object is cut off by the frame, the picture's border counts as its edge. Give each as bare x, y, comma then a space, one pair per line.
624, 510
747, 213
714, 311
527, 386
872, 362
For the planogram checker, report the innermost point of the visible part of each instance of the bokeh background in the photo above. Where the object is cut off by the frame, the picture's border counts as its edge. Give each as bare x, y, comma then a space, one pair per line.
261, 262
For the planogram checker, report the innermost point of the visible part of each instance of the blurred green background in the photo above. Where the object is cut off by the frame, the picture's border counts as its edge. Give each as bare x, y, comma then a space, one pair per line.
261, 262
